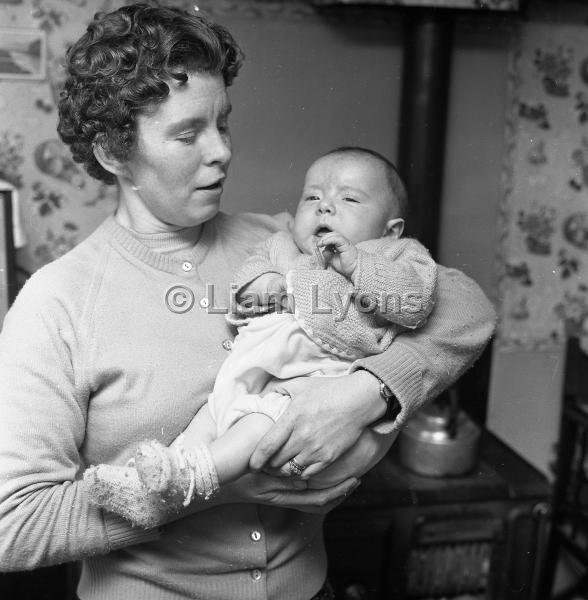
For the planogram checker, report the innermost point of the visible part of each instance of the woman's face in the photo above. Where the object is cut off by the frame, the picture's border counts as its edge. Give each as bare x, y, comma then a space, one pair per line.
174, 177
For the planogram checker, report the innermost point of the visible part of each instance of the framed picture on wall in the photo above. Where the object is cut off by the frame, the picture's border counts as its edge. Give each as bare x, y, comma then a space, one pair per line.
7, 256
22, 53
505, 5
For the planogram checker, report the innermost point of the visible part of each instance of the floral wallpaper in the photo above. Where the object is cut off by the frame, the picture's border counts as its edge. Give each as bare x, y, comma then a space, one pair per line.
60, 205
462, 4
544, 216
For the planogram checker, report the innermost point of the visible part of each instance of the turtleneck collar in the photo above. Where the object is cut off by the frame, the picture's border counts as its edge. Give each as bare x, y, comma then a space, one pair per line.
165, 251
170, 242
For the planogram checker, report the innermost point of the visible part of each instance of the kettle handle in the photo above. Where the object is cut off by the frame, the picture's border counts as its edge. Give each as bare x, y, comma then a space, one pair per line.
451, 426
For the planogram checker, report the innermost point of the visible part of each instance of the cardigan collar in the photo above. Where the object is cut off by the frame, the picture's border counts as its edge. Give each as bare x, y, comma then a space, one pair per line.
150, 251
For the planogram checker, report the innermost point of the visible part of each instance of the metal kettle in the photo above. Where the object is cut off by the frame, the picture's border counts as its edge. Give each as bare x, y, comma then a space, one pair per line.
440, 440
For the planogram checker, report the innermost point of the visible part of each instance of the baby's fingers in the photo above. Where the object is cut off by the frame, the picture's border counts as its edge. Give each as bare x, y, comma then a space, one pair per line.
335, 239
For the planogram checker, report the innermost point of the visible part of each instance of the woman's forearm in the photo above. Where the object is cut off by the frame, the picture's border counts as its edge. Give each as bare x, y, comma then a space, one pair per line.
418, 366
45, 512
55, 523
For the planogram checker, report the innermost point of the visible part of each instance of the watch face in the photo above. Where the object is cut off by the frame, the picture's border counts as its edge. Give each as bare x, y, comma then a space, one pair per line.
385, 391
393, 407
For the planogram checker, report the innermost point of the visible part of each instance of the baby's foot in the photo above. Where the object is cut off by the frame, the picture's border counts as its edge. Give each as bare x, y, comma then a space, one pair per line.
119, 490
174, 472
156, 466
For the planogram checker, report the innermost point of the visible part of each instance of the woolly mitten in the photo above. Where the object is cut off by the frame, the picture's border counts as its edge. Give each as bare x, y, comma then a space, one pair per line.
174, 472
119, 490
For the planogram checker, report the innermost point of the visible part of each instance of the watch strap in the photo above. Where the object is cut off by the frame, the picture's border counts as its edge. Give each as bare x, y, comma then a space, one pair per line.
393, 407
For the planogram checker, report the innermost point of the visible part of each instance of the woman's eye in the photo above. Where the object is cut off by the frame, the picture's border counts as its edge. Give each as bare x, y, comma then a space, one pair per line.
311, 198
186, 139
348, 199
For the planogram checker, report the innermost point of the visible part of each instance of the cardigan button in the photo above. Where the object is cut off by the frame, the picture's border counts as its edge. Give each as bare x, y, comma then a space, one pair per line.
203, 302
255, 536
227, 345
187, 266
256, 574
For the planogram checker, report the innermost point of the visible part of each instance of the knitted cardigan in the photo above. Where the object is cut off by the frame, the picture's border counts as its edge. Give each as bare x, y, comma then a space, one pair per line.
394, 287
94, 360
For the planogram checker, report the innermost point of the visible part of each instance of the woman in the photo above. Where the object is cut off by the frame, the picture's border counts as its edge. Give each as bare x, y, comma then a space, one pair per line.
116, 341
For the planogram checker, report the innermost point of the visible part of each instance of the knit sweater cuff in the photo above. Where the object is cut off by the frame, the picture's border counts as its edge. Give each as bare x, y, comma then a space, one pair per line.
121, 533
400, 370
251, 270
403, 291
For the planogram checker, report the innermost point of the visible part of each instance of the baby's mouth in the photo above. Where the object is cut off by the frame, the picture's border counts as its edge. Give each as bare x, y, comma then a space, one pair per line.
322, 230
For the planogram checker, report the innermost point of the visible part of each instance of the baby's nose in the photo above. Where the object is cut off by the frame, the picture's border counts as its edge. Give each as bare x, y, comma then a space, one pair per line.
325, 207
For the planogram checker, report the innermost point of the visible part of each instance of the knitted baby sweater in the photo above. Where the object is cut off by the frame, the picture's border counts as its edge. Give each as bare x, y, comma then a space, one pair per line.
114, 343
394, 287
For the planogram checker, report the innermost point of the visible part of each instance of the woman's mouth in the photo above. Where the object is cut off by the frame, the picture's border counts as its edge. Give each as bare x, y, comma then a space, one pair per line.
215, 186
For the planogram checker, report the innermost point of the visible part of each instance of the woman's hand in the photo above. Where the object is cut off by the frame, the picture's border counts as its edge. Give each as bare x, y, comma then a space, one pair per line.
286, 492
325, 418
118, 490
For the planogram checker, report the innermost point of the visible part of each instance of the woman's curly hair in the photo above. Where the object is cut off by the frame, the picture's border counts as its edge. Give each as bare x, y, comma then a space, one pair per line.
121, 66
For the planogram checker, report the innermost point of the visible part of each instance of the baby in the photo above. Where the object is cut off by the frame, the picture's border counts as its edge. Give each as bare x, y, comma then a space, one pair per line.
340, 285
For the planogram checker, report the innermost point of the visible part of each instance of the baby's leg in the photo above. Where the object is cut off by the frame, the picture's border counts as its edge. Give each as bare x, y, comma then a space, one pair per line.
166, 478
357, 461
161, 468
232, 450
191, 466
201, 430
195, 463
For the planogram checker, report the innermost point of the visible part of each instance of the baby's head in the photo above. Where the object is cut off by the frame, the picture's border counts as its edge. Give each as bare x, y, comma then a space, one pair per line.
353, 191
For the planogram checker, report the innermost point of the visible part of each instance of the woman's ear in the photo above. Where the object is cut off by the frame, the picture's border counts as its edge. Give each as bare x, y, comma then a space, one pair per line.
108, 162
394, 228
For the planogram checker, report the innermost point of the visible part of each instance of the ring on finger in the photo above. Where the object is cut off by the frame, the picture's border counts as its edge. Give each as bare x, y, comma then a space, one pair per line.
296, 468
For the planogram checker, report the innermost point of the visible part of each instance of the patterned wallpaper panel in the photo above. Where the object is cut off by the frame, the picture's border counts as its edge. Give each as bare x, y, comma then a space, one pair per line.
544, 217
60, 204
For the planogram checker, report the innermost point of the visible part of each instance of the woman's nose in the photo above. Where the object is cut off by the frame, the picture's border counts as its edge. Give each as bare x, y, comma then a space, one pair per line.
218, 149
326, 207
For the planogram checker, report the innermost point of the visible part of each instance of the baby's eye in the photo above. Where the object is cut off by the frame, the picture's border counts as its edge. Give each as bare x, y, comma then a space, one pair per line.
311, 198
349, 199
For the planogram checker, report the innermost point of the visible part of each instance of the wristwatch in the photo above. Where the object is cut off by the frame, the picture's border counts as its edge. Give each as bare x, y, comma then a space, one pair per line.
393, 407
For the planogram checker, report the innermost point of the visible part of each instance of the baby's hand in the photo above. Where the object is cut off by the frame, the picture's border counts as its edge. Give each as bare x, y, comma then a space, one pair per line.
339, 252
267, 292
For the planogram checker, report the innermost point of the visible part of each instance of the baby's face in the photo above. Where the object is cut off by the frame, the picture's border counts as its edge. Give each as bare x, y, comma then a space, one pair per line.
345, 193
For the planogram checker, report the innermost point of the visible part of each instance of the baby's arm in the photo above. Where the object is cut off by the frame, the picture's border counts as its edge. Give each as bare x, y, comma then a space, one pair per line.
260, 281
265, 293
400, 278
